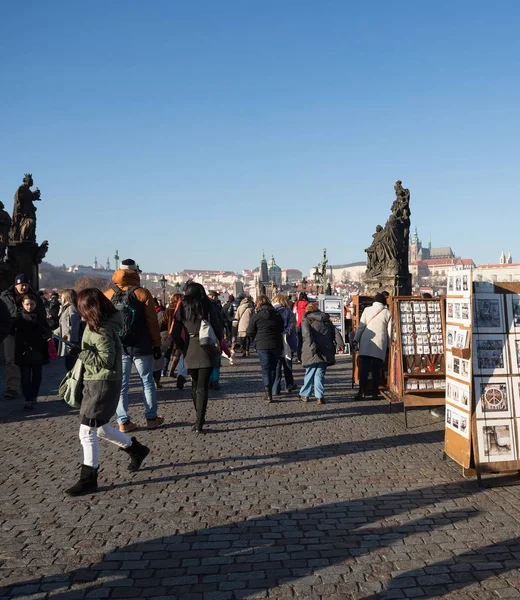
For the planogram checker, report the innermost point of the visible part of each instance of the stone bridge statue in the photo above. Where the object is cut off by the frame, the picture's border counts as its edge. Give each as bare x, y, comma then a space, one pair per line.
387, 256
23, 228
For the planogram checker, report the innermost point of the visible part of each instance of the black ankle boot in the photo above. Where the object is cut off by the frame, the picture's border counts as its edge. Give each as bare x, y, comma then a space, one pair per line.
268, 394
137, 453
87, 483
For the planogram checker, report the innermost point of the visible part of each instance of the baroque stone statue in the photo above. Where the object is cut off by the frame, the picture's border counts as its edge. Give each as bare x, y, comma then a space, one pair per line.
24, 213
387, 256
5, 227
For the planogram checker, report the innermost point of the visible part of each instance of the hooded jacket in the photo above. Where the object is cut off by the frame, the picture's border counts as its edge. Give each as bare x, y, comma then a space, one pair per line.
320, 340
150, 336
266, 328
101, 355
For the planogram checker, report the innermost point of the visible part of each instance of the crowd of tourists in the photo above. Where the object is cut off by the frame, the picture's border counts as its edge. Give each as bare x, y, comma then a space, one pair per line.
101, 336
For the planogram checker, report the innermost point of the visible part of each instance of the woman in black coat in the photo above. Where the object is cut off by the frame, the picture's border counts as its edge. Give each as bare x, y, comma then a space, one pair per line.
266, 329
195, 307
31, 349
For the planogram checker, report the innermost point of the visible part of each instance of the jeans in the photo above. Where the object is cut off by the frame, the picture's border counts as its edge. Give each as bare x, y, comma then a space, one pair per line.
199, 393
31, 377
366, 362
314, 378
299, 335
268, 361
286, 365
144, 366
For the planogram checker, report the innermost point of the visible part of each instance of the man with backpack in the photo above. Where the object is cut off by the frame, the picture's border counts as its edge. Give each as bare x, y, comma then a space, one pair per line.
141, 341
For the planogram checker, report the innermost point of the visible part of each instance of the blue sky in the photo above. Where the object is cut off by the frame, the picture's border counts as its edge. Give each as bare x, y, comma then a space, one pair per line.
196, 134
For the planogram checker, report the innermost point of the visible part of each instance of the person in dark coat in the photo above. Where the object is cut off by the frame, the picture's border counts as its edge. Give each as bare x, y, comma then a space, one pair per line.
320, 340
195, 307
265, 330
290, 344
228, 315
12, 297
31, 349
100, 355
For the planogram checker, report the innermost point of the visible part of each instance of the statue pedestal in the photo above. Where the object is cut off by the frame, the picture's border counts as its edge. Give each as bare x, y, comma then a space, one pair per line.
395, 285
22, 257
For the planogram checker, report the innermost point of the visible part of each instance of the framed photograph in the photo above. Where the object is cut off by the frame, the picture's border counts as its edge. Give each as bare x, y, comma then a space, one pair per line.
458, 421
493, 397
451, 283
496, 441
490, 354
461, 338
449, 309
457, 316
489, 313
514, 349
457, 393
513, 312
458, 283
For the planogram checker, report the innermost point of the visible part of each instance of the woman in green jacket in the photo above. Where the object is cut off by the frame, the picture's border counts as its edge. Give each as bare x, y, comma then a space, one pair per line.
101, 356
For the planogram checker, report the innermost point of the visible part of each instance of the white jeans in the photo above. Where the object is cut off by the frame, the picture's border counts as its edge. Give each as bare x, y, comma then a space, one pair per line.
89, 440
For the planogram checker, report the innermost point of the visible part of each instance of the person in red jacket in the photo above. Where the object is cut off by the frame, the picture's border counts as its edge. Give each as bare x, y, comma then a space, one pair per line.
299, 312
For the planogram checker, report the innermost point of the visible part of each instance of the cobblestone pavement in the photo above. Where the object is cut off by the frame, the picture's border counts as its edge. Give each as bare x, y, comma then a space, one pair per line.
276, 501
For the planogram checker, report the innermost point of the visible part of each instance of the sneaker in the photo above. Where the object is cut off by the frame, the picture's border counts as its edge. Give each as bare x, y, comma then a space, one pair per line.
304, 398
10, 394
126, 427
153, 423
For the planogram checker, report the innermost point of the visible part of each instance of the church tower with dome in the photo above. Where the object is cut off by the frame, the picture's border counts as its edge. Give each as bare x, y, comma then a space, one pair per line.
275, 272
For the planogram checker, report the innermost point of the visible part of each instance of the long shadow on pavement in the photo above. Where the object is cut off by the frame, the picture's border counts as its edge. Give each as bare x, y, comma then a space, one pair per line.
285, 458
333, 544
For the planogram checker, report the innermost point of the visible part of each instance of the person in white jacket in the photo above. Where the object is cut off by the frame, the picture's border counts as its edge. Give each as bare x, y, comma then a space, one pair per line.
372, 338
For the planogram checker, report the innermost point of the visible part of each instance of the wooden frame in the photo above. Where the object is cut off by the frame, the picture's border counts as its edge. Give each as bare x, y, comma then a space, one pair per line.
404, 374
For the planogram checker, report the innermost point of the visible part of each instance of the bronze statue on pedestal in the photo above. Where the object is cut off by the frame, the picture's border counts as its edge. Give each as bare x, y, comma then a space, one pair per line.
24, 212
387, 256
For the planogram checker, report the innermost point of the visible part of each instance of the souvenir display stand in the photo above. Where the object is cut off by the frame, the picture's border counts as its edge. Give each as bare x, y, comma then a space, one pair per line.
483, 365
416, 363
359, 303
457, 440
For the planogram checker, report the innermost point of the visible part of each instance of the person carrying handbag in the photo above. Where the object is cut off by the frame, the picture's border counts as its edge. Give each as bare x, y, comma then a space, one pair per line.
100, 355
320, 341
195, 309
371, 343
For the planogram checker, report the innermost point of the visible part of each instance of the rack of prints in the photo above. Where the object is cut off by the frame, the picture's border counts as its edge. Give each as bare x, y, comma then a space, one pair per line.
416, 374
458, 421
496, 382
422, 340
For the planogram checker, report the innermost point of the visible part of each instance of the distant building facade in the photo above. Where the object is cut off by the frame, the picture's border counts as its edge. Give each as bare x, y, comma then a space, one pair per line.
505, 270
291, 276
